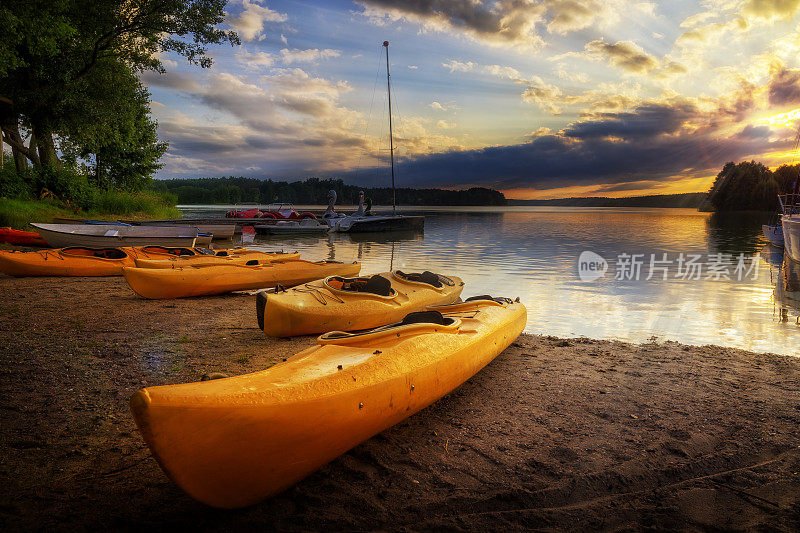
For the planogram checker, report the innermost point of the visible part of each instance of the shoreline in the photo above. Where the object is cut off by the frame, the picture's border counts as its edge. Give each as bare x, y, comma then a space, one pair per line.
555, 433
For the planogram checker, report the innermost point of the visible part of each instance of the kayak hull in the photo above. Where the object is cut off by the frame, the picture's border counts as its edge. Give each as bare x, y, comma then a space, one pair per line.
233, 442
21, 238
318, 307
78, 261
205, 280
233, 257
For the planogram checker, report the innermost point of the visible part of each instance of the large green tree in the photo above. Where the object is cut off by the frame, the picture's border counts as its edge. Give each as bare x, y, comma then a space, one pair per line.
52, 52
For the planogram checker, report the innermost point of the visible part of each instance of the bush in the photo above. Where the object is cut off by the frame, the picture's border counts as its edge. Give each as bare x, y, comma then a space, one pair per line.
66, 183
13, 185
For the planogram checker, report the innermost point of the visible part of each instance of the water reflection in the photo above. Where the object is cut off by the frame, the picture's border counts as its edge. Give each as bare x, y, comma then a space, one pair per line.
737, 232
532, 253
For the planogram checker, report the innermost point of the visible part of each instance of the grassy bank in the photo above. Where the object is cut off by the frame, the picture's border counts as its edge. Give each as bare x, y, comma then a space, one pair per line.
106, 205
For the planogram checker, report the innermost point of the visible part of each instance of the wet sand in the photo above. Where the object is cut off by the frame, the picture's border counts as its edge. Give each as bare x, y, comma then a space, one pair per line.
554, 434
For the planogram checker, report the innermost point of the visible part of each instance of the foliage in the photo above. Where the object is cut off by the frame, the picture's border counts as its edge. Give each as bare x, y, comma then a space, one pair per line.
233, 190
12, 185
68, 77
750, 186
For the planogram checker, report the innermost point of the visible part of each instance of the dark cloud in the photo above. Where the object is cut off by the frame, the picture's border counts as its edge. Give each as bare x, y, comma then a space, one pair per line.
655, 142
784, 87
754, 132
645, 121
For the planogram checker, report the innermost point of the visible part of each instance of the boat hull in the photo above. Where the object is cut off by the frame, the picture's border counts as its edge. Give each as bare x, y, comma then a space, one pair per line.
377, 223
233, 442
774, 234
100, 236
205, 280
317, 307
791, 235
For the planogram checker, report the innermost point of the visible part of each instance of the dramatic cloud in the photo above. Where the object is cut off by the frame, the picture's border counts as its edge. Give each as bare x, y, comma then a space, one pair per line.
312, 55
504, 22
250, 22
784, 88
656, 141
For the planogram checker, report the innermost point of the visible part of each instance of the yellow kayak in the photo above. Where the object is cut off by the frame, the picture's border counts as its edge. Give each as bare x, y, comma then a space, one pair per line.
232, 257
202, 280
81, 261
349, 304
233, 442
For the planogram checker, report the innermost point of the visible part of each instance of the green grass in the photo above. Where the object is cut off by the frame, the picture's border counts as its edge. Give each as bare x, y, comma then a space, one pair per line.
106, 205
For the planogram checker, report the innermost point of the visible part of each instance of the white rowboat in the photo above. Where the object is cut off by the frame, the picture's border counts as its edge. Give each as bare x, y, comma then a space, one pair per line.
110, 236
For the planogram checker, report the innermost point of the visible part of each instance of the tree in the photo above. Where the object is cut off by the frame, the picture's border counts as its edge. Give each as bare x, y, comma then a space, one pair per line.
108, 123
747, 186
48, 51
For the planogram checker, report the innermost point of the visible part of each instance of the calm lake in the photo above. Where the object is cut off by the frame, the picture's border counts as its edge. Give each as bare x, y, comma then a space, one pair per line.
712, 279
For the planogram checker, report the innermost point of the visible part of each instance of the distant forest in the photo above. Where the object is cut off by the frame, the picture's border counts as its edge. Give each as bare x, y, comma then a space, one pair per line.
314, 191
689, 200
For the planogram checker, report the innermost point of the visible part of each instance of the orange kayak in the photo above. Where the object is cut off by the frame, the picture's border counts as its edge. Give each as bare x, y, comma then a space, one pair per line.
80, 261
235, 441
202, 280
228, 257
348, 304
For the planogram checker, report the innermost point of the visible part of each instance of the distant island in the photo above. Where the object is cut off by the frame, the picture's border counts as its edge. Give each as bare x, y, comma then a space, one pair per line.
314, 191
685, 200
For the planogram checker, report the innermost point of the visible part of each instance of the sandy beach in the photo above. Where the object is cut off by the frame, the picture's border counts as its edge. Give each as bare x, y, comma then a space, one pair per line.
554, 434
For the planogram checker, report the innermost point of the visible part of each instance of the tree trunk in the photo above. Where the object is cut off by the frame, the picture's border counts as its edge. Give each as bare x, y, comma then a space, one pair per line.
9, 126
45, 144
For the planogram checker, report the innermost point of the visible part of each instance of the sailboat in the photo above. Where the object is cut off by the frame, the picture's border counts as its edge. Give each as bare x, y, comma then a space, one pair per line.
362, 221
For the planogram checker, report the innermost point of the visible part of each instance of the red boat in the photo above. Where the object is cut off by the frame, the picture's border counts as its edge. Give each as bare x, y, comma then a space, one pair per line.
274, 211
21, 238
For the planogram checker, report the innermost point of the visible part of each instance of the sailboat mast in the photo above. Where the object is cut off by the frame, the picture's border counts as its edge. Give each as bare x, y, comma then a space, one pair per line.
391, 141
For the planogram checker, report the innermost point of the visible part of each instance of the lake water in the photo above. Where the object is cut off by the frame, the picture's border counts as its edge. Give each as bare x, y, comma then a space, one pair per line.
532, 253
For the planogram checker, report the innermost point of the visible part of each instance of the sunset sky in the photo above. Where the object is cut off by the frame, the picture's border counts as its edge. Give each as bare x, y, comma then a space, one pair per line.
539, 99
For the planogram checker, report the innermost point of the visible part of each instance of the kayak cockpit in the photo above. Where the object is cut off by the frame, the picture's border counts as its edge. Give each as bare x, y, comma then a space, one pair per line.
100, 253
427, 277
377, 285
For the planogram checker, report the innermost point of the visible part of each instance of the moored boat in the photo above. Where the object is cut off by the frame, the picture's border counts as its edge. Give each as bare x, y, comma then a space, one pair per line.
790, 222
348, 304
305, 226
203, 280
791, 235
113, 236
233, 442
773, 233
